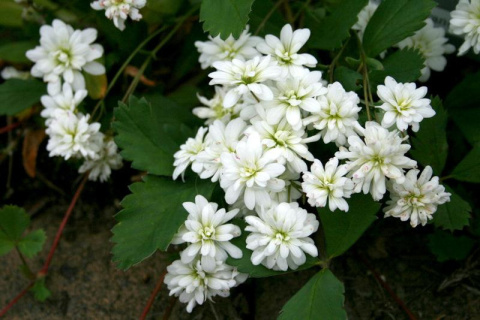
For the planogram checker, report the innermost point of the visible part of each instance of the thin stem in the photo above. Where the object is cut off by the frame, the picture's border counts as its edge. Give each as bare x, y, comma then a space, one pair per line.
31, 275
335, 61
154, 52
153, 295
305, 5
45, 267
169, 309
124, 65
15, 300
267, 16
10, 156
366, 81
385, 285
9, 127
446, 177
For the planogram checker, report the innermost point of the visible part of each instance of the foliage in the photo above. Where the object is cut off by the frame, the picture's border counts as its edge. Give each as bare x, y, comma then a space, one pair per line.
18, 95
446, 246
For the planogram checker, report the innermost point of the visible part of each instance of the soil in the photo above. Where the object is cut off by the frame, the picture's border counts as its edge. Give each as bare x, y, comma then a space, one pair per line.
85, 284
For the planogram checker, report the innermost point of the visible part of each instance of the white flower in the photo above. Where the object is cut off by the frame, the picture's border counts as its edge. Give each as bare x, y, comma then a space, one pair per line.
465, 21
188, 153
207, 232
285, 50
432, 44
60, 104
329, 183
280, 236
364, 17
250, 172
120, 10
220, 139
72, 136
12, 73
226, 50
404, 104
416, 199
214, 109
285, 144
335, 115
381, 155
196, 282
245, 77
101, 167
65, 53
294, 94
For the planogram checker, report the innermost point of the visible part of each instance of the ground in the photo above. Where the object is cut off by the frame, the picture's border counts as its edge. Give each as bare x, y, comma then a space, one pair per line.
86, 285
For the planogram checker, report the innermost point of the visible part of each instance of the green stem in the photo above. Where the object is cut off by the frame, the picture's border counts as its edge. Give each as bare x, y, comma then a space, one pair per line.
305, 5
267, 16
335, 61
366, 81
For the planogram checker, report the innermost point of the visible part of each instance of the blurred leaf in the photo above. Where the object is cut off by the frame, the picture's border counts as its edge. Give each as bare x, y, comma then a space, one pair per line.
10, 14
31, 143
96, 85
348, 78
244, 264
149, 134
445, 246
223, 18
452, 215
468, 169
393, 21
15, 51
403, 65
429, 145
151, 216
40, 291
260, 10
467, 122
335, 28
13, 222
465, 95
321, 298
18, 95
155, 11
32, 243
343, 229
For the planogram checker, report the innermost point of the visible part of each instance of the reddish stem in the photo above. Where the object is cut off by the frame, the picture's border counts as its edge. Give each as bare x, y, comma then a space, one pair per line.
45, 267
9, 127
153, 295
169, 309
385, 285
15, 300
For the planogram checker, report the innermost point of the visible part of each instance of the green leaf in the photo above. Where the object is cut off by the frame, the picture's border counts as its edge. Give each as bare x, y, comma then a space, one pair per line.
335, 28
445, 246
18, 95
13, 222
467, 122
32, 243
393, 21
468, 169
15, 51
260, 10
452, 215
225, 17
343, 229
10, 14
151, 216
348, 78
465, 95
149, 135
429, 145
244, 264
321, 298
40, 290
403, 65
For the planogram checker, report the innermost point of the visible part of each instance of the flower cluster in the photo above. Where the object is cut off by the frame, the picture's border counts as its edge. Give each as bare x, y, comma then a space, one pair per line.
269, 108
64, 53
202, 273
120, 10
465, 21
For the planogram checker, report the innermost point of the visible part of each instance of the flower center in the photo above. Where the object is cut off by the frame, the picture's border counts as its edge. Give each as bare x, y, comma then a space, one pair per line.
281, 237
207, 233
280, 137
248, 172
291, 98
63, 56
249, 77
403, 105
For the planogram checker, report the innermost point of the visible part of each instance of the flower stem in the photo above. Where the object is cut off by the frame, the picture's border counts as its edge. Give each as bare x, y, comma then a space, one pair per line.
153, 295
366, 81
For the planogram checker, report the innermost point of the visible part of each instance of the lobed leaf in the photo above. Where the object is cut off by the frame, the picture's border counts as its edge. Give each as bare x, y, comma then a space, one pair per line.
335, 28
225, 17
151, 216
393, 21
149, 134
429, 145
445, 246
468, 169
32, 243
321, 298
343, 229
453, 215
